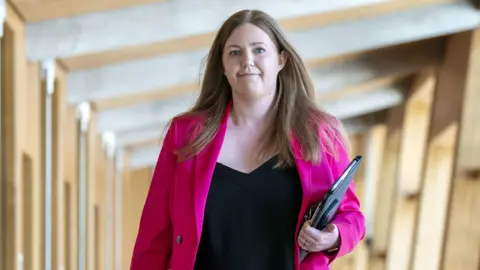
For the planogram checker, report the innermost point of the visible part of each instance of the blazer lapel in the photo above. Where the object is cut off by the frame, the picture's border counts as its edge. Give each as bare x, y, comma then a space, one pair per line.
205, 163
305, 172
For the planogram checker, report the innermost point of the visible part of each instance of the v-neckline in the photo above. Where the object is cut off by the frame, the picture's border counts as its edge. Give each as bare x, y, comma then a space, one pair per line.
252, 171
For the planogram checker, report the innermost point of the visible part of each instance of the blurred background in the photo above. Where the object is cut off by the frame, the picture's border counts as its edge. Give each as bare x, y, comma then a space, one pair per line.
88, 86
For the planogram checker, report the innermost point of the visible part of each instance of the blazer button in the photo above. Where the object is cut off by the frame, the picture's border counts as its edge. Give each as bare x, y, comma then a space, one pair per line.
179, 239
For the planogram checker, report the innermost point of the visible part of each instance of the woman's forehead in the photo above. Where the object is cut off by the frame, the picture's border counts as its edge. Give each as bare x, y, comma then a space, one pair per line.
248, 35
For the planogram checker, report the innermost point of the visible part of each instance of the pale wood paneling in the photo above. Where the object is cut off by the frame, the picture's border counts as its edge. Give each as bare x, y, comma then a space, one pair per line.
134, 196
447, 237
411, 160
462, 237
386, 190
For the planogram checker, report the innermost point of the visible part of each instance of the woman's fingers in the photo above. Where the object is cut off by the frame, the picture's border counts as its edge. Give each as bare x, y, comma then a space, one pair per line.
310, 239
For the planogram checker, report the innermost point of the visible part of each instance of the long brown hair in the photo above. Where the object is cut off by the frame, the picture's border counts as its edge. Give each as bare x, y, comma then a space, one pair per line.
293, 111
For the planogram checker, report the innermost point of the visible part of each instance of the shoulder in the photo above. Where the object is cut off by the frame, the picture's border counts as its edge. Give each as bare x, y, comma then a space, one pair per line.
182, 126
334, 140
187, 121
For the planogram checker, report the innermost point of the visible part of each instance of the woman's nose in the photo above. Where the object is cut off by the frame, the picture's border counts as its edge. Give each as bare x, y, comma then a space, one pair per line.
247, 60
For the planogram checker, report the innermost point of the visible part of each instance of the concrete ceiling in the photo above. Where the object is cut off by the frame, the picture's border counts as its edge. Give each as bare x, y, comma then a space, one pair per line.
139, 62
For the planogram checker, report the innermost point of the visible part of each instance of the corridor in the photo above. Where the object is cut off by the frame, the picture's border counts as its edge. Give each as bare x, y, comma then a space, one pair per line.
88, 87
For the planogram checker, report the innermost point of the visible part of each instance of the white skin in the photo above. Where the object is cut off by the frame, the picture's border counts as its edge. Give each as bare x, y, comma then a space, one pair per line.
251, 64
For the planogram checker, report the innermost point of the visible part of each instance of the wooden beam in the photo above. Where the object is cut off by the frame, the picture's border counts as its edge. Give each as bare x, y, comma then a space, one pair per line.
415, 131
373, 171
411, 58
446, 237
462, 246
40, 10
386, 189
204, 40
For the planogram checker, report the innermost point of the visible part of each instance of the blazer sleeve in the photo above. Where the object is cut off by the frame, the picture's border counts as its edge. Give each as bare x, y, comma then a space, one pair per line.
349, 219
153, 244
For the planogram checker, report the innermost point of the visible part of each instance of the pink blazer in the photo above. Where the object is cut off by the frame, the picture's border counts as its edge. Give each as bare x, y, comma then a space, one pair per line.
172, 218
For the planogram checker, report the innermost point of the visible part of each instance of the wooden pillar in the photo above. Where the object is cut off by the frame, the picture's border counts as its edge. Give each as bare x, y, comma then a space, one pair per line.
34, 219
386, 189
14, 131
109, 199
136, 187
373, 153
100, 204
92, 159
128, 225
59, 176
411, 160
121, 160
359, 257
453, 149
2, 178
357, 142
71, 188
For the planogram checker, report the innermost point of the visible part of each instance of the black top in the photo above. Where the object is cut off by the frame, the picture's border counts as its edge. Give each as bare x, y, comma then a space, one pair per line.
250, 219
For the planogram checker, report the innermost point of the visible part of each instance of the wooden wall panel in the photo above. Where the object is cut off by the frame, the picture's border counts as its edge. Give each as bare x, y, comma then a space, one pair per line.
357, 143
135, 192
462, 236
386, 190
411, 160
447, 237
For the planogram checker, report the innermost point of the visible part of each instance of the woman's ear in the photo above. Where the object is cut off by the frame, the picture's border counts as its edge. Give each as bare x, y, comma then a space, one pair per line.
282, 59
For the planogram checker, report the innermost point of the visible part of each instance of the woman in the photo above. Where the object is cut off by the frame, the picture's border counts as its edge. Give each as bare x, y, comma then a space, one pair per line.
237, 173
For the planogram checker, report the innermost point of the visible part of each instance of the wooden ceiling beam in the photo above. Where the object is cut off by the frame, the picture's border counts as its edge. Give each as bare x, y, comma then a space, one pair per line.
192, 42
41, 10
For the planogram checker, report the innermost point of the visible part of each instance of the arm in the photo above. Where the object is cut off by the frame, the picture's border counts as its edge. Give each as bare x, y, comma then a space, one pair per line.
154, 240
349, 219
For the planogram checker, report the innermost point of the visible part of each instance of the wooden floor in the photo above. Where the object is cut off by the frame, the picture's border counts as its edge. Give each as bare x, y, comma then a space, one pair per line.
419, 185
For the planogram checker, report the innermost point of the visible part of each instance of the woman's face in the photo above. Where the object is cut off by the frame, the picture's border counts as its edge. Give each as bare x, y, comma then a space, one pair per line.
251, 62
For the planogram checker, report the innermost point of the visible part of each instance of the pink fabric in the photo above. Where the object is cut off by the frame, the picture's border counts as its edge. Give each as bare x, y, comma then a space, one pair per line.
172, 218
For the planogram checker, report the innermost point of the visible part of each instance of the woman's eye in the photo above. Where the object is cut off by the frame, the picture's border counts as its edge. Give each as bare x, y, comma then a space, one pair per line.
236, 52
259, 50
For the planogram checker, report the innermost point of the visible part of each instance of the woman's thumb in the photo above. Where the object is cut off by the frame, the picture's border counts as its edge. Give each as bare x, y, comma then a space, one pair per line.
330, 228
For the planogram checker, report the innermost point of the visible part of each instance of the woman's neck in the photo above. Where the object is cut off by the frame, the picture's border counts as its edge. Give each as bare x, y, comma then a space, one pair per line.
251, 112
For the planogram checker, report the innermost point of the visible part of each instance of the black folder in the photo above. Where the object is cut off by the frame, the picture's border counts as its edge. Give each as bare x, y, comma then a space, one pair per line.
324, 211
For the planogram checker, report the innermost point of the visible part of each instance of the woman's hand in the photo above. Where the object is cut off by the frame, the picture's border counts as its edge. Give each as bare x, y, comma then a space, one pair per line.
314, 240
